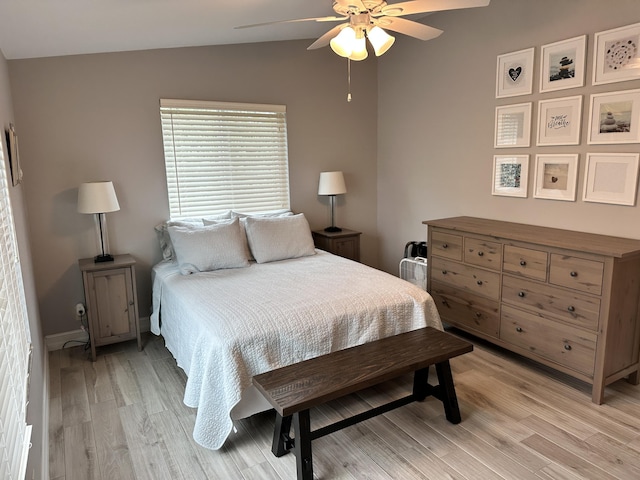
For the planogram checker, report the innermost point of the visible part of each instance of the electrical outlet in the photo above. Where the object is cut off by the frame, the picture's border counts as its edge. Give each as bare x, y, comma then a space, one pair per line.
80, 310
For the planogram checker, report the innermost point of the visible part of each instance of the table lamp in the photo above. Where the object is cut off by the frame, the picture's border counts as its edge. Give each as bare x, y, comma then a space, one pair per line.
332, 184
99, 198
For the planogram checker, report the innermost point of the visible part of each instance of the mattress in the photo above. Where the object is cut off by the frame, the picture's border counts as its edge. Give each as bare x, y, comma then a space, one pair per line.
225, 326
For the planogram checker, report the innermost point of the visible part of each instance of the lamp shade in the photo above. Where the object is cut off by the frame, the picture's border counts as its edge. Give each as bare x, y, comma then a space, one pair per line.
97, 197
331, 183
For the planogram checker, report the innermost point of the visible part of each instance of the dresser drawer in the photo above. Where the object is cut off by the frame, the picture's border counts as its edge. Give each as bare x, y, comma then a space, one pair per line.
526, 262
483, 253
575, 272
471, 279
466, 310
568, 306
551, 340
446, 245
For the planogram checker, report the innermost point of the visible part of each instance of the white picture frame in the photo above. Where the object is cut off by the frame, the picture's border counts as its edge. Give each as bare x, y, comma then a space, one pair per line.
510, 175
562, 64
611, 178
614, 117
514, 74
513, 126
556, 177
613, 50
559, 121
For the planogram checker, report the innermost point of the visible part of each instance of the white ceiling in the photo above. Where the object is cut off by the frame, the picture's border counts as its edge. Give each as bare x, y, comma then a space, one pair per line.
45, 28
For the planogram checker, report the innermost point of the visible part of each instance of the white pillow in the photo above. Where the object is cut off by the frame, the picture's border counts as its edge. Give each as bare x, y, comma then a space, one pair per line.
206, 248
279, 238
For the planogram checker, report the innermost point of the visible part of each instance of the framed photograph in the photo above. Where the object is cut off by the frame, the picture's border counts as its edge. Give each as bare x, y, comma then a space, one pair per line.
611, 178
513, 126
559, 121
13, 156
510, 175
614, 117
614, 52
562, 64
515, 74
556, 177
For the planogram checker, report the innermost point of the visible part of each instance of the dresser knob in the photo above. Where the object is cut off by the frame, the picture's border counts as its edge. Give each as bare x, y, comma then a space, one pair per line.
522, 263
444, 272
478, 314
574, 274
519, 329
444, 245
481, 253
521, 294
571, 308
479, 282
567, 346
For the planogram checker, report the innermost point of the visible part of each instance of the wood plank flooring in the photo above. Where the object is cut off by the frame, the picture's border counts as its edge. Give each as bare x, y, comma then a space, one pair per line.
122, 417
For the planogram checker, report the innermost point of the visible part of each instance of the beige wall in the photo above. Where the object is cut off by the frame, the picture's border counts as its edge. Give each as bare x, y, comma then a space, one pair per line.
96, 117
436, 120
36, 413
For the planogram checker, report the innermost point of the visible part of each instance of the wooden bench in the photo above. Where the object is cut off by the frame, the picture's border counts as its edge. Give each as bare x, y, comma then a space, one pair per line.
294, 389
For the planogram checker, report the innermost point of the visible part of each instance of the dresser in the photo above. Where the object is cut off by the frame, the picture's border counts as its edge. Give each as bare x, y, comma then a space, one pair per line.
345, 243
567, 299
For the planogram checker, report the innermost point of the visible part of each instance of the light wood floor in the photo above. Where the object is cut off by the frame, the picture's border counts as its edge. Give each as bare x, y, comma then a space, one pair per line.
122, 417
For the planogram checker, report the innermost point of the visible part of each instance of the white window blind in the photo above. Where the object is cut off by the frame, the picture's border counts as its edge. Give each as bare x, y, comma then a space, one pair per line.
224, 156
15, 347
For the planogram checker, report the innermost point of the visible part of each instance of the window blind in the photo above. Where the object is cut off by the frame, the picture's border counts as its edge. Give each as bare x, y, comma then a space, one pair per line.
15, 347
224, 156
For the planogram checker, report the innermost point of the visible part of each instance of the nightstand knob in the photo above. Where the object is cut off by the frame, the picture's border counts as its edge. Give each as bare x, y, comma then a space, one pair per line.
571, 308
480, 253
519, 329
444, 272
479, 282
521, 294
444, 245
574, 274
567, 346
523, 263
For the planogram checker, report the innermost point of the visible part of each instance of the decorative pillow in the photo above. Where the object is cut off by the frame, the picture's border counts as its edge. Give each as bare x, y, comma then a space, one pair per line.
279, 238
163, 234
206, 248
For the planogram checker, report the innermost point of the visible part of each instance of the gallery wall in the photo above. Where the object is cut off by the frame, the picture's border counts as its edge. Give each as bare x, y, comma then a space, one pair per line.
96, 117
437, 103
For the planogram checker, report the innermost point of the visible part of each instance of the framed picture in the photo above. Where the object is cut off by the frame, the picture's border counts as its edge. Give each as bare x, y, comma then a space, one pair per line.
563, 64
556, 177
613, 54
510, 175
614, 117
515, 74
611, 178
559, 121
13, 156
513, 126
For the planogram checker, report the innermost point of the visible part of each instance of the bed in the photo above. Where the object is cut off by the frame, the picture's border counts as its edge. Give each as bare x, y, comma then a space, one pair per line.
224, 325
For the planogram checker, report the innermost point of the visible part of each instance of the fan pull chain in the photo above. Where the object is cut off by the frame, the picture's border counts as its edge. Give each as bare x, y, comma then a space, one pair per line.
349, 79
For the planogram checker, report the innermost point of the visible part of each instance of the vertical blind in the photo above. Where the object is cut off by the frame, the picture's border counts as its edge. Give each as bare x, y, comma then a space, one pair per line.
224, 156
15, 346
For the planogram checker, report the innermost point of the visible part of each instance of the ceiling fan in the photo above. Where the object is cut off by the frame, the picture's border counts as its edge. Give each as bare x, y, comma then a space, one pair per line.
368, 19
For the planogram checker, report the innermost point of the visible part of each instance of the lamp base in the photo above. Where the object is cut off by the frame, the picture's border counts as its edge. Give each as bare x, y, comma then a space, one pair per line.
333, 229
103, 258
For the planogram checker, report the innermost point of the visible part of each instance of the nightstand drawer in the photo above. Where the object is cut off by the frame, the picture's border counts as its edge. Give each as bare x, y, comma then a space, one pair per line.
446, 245
482, 253
574, 272
526, 262
472, 279
345, 243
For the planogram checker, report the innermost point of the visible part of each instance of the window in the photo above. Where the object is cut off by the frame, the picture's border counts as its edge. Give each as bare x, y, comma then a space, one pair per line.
15, 346
224, 156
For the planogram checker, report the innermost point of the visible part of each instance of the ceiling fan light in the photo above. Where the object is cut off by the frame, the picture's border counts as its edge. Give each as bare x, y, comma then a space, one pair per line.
359, 49
343, 43
380, 40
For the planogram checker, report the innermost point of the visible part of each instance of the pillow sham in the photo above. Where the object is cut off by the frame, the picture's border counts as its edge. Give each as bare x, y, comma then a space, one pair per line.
206, 248
279, 238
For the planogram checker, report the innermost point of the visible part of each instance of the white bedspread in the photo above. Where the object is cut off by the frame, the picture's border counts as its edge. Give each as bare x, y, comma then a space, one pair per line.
225, 326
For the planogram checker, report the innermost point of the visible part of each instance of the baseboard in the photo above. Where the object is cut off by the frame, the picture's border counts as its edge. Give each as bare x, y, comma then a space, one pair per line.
77, 337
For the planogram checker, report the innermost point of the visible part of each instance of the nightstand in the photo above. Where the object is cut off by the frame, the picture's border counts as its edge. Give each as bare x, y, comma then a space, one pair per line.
111, 301
345, 243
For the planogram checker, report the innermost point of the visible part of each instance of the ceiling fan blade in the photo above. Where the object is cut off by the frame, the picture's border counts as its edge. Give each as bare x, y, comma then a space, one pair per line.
316, 19
324, 40
408, 27
425, 6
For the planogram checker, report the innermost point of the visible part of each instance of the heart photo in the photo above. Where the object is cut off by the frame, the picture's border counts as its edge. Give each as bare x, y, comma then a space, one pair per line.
515, 74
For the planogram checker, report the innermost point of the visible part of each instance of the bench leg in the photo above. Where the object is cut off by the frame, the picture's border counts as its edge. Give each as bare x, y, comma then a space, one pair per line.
281, 439
448, 392
302, 445
421, 384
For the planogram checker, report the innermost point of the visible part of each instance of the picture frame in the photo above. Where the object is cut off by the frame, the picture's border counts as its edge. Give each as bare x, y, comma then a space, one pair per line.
513, 126
611, 178
556, 177
514, 74
559, 121
613, 50
13, 155
614, 117
510, 175
562, 64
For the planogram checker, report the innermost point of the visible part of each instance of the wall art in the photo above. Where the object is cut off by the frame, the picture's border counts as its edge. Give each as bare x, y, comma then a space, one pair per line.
556, 177
559, 121
615, 53
513, 126
611, 178
510, 175
614, 117
515, 73
562, 64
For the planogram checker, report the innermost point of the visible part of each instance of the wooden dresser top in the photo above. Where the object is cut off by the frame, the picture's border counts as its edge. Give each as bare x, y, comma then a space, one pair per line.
553, 237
